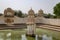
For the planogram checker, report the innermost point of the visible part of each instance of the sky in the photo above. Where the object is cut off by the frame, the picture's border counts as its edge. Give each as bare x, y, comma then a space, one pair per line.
26, 5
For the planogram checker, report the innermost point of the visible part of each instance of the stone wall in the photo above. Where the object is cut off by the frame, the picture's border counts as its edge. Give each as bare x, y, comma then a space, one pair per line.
18, 20
49, 21
40, 20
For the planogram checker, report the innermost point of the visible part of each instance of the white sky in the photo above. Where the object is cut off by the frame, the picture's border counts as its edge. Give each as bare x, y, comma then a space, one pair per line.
25, 5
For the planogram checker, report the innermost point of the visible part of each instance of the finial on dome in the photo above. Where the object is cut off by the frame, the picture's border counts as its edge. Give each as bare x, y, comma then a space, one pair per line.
31, 12
31, 8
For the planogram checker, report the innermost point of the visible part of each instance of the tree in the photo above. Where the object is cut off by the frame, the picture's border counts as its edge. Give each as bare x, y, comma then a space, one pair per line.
18, 13
1, 14
57, 10
15, 13
49, 15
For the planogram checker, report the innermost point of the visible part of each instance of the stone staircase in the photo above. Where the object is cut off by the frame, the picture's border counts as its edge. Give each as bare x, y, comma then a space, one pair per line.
18, 26
15, 26
50, 27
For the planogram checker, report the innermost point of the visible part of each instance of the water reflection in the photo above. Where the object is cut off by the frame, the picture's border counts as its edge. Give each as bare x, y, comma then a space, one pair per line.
36, 37
45, 37
7, 36
1, 36
23, 37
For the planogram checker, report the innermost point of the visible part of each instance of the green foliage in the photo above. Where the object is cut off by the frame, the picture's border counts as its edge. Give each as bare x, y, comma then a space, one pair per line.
54, 16
48, 15
18, 13
57, 10
15, 13
1, 14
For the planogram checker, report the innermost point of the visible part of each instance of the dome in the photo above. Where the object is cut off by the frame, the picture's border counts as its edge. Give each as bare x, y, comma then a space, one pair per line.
31, 12
9, 9
8, 12
40, 10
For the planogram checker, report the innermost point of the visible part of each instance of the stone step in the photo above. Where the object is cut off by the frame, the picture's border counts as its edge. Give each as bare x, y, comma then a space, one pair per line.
50, 27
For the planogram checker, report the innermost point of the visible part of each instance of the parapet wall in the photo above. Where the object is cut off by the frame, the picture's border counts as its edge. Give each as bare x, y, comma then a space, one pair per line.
50, 21
40, 20
37, 20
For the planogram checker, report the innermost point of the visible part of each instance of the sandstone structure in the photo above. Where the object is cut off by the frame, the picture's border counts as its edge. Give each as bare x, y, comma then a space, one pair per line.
9, 19
9, 16
31, 26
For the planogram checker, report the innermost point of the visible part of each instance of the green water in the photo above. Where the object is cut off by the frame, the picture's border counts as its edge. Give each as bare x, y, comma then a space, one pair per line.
16, 34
